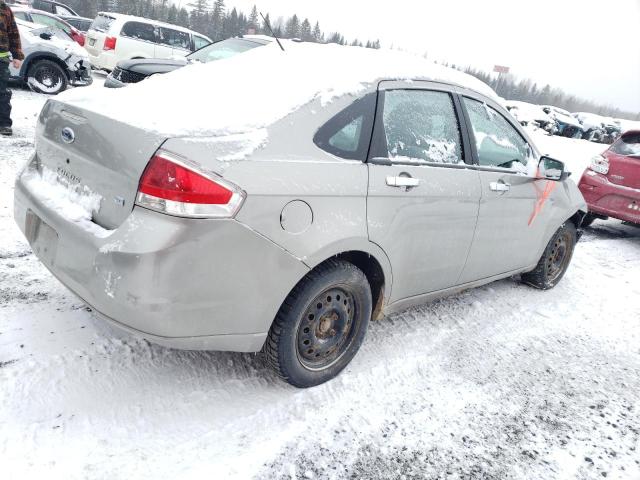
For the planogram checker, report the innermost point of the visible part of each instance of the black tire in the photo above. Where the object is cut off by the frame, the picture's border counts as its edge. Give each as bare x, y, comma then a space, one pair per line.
46, 76
320, 325
588, 219
555, 259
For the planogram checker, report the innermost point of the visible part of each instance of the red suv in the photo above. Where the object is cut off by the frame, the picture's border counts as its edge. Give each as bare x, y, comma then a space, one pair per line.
611, 184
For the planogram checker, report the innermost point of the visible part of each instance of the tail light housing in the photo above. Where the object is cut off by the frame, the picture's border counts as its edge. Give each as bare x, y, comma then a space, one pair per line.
173, 185
600, 164
110, 43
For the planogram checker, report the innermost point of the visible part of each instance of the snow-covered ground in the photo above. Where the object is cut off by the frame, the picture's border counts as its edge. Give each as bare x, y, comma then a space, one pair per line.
499, 382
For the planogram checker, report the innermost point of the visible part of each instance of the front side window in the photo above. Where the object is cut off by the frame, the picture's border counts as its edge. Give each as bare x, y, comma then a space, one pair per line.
347, 134
139, 31
421, 126
628, 145
498, 143
174, 38
200, 42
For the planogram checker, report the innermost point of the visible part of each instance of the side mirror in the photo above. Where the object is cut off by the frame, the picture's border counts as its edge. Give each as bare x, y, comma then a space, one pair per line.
46, 35
552, 169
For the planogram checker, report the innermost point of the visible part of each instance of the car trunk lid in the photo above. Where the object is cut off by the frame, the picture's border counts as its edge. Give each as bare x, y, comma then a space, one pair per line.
624, 170
95, 155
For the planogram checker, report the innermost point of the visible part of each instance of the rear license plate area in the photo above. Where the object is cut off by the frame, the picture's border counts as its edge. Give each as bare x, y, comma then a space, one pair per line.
92, 42
42, 238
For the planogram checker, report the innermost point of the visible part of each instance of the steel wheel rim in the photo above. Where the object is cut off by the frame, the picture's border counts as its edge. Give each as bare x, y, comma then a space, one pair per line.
48, 77
559, 256
327, 328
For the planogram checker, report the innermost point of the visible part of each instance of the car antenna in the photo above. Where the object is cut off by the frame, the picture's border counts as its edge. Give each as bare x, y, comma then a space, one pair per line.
266, 22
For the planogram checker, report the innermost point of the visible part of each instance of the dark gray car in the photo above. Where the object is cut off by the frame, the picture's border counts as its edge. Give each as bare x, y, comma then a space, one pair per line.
137, 69
373, 196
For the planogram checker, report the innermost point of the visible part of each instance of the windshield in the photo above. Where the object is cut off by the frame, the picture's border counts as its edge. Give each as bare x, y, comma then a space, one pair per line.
224, 49
627, 145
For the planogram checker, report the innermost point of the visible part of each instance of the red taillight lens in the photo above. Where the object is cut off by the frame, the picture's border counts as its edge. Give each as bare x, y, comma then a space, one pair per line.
110, 43
170, 185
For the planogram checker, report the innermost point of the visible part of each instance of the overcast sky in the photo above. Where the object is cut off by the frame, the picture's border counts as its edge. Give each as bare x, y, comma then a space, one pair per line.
590, 48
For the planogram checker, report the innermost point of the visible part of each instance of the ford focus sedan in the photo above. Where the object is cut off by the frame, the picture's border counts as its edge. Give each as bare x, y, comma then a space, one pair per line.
283, 212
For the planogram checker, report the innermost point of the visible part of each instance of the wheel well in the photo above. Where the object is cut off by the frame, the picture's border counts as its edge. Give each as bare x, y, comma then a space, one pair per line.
34, 58
577, 218
374, 273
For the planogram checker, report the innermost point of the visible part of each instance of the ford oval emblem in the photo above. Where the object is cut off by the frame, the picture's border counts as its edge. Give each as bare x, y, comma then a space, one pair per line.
67, 135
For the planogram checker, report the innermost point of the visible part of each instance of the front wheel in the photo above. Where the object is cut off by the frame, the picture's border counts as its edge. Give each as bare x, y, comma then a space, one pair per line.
320, 325
46, 76
555, 260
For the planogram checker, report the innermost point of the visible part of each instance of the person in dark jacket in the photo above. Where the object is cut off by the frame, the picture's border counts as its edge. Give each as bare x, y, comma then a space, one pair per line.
10, 52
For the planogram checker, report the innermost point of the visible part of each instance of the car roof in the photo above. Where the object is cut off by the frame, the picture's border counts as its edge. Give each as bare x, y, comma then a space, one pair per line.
133, 18
302, 78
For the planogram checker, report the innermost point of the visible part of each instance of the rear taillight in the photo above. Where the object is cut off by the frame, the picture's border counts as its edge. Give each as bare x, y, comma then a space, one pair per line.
173, 185
110, 43
599, 164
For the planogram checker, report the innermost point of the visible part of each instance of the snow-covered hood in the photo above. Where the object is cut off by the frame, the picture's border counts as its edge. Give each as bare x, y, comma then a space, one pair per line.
30, 35
527, 112
254, 90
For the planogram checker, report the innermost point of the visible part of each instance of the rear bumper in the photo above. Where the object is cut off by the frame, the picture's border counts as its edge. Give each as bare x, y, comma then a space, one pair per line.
608, 199
104, 60
183, 283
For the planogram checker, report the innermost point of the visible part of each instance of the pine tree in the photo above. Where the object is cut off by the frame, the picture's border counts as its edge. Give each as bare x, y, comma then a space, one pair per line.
305, 31
217, 20
253, 19
292, 28
317, 33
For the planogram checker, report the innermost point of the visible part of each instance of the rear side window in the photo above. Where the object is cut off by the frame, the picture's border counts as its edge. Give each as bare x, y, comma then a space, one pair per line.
102, 23
421, 126
21, 16
139, 31
497, 141
347, 135
175, 38
628, 145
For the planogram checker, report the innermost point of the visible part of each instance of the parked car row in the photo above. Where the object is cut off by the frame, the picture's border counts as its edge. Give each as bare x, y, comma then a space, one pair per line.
557, 121
48, 28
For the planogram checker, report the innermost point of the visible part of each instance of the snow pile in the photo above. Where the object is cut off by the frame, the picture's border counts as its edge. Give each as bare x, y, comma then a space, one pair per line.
257, 88
74, 203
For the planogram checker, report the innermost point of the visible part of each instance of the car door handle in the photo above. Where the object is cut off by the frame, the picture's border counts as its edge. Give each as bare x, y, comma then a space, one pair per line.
403, 181
500, 186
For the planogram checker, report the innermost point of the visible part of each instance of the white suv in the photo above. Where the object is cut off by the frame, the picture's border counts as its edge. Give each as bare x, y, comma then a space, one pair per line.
113, 37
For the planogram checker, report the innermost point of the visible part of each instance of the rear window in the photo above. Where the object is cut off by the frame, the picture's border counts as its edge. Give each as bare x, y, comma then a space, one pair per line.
102, 23
628, 144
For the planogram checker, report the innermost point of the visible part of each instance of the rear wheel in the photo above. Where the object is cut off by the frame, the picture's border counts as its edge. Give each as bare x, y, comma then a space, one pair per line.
320, 325
46, 76
555, 260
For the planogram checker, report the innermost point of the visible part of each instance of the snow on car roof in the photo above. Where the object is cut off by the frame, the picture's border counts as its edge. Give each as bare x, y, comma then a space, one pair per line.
122, 16
257, 88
